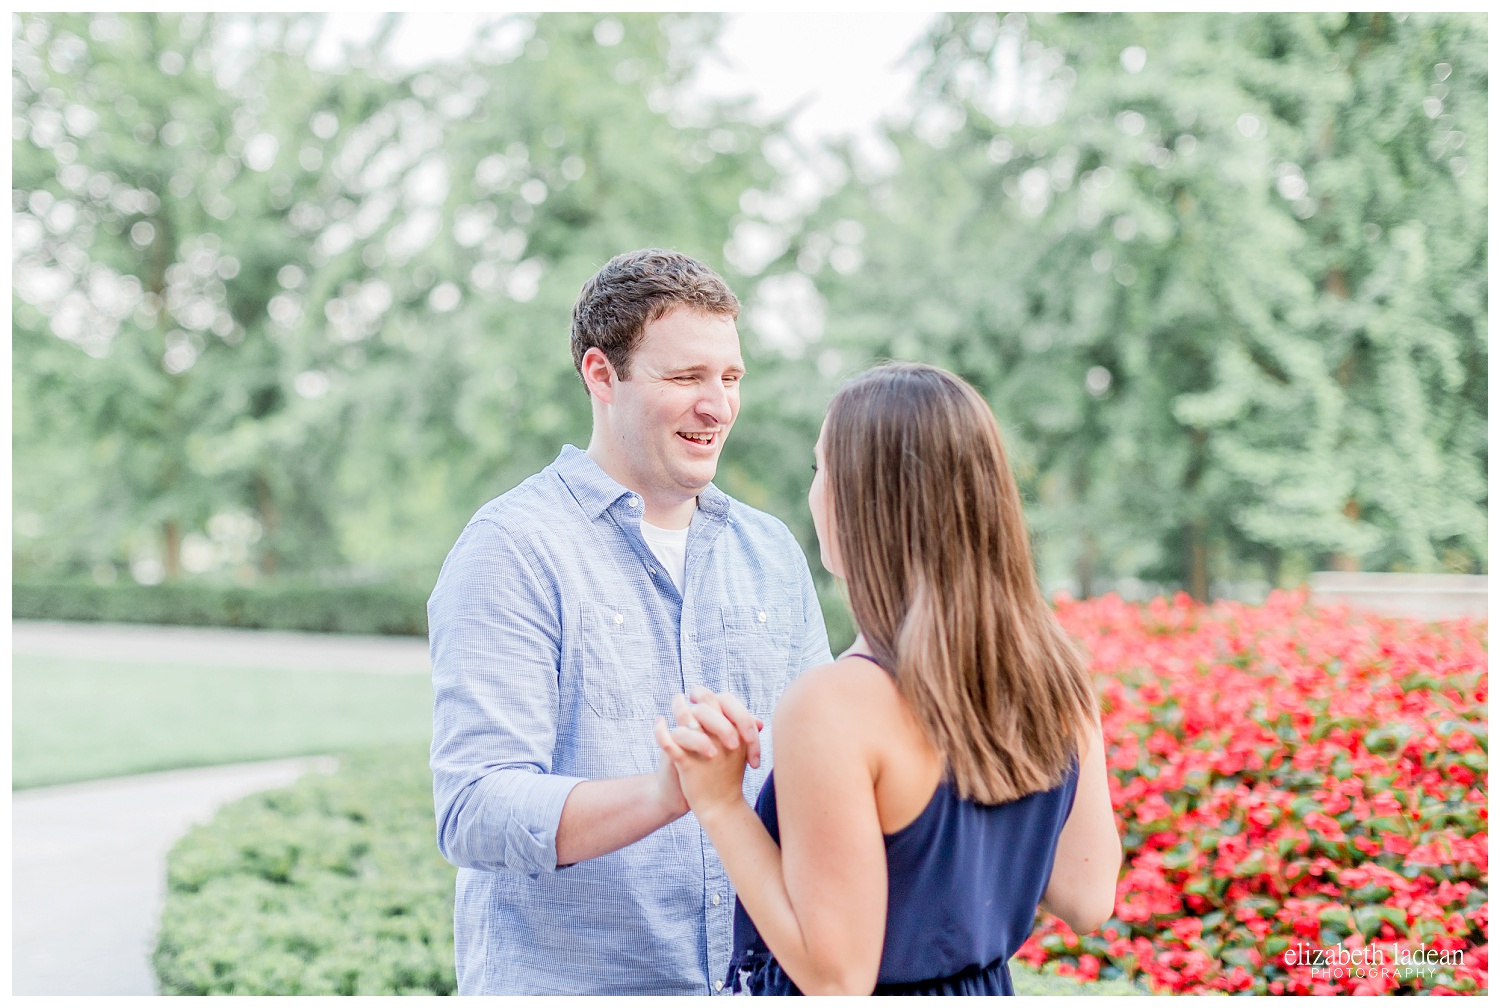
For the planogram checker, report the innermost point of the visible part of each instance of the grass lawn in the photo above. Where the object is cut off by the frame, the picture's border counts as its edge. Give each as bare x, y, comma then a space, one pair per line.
78, 720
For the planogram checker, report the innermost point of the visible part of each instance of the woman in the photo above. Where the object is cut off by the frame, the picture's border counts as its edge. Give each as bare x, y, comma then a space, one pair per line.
946, 774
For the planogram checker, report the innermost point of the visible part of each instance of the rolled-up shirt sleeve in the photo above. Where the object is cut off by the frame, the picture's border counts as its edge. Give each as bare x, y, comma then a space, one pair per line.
495, 631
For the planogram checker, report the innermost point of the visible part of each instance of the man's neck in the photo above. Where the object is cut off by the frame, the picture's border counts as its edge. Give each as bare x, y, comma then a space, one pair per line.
665, 513
675, 517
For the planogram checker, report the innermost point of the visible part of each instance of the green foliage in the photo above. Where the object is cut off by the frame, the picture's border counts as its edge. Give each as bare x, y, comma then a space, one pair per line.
280, 605
77, 720
335, 886
1223, 279
1046, 982
162, 183
282, 320
332, 886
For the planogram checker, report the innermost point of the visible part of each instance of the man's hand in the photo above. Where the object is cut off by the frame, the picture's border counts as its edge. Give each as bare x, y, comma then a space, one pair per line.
669, 788
708, 748
712, 776
602, 816
725, 721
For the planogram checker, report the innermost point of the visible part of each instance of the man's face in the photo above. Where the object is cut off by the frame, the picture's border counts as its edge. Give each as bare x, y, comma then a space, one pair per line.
671, 417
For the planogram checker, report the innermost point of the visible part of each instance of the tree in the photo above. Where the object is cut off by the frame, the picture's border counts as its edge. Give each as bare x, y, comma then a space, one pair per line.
1167, 248
560, 148
163, 178
330, 307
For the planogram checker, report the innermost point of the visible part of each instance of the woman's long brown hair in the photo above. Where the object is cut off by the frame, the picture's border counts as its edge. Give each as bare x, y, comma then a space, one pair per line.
928, 520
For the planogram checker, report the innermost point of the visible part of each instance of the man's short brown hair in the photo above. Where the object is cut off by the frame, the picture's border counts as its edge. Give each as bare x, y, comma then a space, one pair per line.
636, 288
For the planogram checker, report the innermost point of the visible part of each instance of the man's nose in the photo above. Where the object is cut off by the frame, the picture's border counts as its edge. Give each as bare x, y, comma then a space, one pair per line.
714, 403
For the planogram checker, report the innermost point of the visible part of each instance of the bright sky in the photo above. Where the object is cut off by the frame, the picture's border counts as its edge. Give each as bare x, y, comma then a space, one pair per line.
847, 67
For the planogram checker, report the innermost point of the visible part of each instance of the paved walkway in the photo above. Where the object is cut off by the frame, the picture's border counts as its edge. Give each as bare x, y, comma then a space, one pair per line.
89, 860
89, 870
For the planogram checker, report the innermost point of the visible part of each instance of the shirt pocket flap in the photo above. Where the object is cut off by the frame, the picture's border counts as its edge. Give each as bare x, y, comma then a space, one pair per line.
617, 652
758, 652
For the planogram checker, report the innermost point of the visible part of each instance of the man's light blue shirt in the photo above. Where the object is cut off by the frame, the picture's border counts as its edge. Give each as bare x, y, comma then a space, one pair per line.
557, 639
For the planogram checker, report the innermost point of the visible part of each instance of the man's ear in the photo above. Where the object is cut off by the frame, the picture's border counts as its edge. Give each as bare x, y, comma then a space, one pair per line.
599, 375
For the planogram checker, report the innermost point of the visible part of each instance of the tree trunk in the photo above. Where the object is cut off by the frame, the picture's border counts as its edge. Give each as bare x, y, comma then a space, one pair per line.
267, 507
1085, 567
171, 547
1346, 561
1335, 283
1271, 564
1196, 574
1195, 565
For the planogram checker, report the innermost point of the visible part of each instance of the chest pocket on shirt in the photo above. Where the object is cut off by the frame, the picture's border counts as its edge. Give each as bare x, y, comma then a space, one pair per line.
618, 653
758, 653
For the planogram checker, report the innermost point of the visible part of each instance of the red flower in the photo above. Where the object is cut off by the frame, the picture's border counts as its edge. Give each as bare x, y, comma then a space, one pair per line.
1187, 928
1257, 756
1385, 805
1153, 809
1393, 843
1324, 826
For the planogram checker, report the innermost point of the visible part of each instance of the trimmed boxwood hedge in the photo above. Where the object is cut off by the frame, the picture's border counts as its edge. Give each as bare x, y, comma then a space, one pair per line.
335, 886
366, 609
331, 886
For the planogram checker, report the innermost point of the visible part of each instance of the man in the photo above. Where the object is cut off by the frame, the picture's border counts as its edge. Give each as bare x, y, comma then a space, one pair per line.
569, 613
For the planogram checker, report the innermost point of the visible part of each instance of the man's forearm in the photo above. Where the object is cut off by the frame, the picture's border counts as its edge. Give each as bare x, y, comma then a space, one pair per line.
602, 816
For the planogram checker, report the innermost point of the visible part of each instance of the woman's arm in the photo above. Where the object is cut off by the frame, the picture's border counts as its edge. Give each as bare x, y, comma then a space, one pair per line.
818, 900
1087, 866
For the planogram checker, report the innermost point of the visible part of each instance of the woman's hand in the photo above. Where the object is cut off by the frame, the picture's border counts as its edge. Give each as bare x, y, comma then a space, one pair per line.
709, 747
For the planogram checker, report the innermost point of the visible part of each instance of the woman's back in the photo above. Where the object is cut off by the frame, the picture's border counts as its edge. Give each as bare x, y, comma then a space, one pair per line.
877, 872
964, 879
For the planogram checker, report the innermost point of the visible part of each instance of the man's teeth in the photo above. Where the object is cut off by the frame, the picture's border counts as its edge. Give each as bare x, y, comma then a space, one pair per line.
699, 438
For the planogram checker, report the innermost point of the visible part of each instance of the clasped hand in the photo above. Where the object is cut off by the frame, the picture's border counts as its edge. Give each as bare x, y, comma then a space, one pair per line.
713, 740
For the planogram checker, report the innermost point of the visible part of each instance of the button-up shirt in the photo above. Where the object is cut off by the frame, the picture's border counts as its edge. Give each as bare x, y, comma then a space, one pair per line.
557, 639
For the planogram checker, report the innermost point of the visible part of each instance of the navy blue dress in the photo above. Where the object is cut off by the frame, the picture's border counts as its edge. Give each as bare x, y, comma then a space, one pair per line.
965, 881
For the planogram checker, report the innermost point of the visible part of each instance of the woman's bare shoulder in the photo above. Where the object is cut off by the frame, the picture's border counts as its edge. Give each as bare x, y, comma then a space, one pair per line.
848, 718
850, 695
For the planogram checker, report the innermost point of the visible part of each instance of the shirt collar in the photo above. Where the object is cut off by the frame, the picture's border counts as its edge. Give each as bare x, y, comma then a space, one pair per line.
596, 492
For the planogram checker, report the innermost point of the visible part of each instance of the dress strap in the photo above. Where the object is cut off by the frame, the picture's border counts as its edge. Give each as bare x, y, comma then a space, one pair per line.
868, 658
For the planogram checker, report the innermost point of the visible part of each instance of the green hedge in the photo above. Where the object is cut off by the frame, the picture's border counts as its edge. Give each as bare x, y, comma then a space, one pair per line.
331, 886
369, 609
335, 886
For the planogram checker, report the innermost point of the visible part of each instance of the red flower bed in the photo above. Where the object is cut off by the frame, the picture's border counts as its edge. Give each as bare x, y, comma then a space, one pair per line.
1301, 795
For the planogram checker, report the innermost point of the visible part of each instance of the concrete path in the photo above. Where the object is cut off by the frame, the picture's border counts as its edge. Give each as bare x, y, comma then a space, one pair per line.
89, 870
309, 652
89, 860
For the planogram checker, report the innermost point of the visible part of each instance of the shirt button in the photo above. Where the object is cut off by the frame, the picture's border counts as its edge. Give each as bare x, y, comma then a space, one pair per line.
715, 899
619, 618
761, 616
718, 985
634, 501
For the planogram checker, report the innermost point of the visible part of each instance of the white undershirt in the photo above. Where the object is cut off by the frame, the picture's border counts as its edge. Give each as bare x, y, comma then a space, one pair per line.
670, 547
